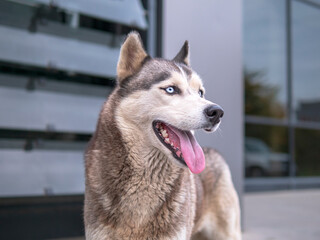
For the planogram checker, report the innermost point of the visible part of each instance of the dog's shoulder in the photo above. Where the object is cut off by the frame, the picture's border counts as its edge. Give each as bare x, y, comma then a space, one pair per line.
215, 163
217, 173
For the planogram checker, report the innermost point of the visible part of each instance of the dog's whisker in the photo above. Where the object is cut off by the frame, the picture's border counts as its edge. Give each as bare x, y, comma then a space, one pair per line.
219, 130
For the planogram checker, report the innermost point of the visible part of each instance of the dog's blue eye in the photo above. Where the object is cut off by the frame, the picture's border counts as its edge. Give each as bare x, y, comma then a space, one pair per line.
200, 93
170, 90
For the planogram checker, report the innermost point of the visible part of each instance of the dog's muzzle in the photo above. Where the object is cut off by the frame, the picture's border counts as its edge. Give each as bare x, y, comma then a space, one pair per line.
213, 113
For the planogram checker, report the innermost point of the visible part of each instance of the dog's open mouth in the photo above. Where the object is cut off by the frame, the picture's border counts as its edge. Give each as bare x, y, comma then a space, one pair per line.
182, 144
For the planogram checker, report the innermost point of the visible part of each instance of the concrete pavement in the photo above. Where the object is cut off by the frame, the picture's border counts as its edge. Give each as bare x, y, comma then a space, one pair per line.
282, 215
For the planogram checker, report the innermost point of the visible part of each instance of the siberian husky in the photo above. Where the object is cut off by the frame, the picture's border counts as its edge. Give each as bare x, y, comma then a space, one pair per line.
146, 175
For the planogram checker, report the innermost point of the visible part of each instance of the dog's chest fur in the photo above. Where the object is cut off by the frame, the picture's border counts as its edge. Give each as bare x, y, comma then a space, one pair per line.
136, 193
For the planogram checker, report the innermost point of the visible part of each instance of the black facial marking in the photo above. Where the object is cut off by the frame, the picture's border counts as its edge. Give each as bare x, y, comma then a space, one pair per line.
152, 71
129, 85
160, 77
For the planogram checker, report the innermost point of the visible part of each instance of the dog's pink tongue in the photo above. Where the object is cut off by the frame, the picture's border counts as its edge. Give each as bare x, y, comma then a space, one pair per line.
191, 151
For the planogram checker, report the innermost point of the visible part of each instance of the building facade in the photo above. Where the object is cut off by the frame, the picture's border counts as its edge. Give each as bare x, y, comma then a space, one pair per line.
259, 60
281, 54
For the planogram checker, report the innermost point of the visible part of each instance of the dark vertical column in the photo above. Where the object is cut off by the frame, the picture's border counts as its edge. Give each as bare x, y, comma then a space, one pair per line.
159, 28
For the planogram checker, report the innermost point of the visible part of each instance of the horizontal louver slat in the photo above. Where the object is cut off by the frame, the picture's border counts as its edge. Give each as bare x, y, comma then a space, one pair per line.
42, 50
40, 110
41, 172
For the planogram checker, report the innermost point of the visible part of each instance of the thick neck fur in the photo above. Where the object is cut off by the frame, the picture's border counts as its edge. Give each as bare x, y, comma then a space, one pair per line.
138, 190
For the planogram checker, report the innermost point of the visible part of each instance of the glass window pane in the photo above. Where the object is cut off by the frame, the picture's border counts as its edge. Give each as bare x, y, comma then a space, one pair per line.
266, 151
306, 61
307, 152
265, 58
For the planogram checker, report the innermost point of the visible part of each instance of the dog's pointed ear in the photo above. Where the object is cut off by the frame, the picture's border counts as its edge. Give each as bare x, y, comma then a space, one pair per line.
131, 56
183, 54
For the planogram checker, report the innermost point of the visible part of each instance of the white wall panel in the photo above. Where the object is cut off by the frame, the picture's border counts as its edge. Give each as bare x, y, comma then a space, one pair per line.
213, 29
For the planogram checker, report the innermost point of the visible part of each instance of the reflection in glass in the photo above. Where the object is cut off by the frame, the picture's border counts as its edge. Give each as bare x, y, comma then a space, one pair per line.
306, 61
266, 151
307, 152
261, 98
265, 57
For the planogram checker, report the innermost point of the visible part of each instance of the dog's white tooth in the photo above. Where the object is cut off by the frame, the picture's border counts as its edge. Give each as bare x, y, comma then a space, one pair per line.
167, 140
164, 134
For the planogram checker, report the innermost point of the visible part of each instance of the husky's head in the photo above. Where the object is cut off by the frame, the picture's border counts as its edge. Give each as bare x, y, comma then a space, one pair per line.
162, 101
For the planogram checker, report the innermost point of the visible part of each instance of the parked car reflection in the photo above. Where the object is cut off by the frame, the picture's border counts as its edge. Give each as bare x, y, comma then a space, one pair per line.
261, 161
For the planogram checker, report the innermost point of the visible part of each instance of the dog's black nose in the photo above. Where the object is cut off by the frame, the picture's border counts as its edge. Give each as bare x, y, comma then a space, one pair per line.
214, 113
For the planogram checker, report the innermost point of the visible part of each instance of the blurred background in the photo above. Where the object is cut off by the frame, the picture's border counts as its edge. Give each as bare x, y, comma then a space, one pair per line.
259, 59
